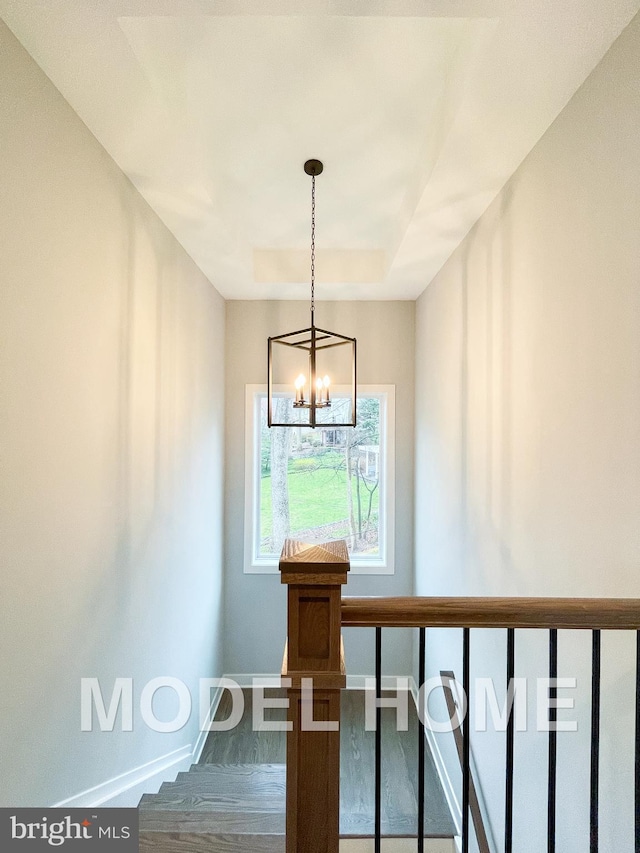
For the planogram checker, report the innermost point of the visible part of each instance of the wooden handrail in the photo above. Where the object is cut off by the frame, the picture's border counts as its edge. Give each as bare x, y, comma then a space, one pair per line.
434, 612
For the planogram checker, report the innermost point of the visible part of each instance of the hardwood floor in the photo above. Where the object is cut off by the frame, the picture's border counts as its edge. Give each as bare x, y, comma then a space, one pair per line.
242, 745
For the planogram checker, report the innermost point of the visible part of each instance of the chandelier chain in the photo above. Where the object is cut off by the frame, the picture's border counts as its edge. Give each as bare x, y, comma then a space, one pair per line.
313, 245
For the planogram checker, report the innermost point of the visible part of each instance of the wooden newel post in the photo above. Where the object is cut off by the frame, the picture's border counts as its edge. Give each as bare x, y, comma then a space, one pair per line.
314, 661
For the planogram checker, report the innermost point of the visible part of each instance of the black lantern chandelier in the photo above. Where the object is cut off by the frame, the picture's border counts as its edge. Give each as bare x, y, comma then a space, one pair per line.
313, 353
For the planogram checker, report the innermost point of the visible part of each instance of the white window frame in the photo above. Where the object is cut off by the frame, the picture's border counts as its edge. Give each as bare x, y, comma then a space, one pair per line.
361, 564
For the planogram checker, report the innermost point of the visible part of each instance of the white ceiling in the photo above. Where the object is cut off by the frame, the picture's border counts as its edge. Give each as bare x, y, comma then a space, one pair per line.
420, 110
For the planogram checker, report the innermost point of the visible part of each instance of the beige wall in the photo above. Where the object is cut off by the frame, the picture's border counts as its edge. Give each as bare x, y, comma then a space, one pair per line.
255, 604
112, 438
528, 424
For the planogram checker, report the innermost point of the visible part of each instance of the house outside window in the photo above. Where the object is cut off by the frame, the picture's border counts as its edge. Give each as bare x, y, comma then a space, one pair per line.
323, 484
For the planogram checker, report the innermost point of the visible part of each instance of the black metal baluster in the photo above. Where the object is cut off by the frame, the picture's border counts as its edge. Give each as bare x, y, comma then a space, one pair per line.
508, 804
595, 739
421, 677
553, 716
637, 758
465, 743
378, 781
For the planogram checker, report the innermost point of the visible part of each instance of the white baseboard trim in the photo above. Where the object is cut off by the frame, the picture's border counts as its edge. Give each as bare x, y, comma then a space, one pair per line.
127, 788
100, 794
441, 768
204, 733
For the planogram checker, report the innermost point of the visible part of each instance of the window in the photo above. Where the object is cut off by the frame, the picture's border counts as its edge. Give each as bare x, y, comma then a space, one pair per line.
322, 484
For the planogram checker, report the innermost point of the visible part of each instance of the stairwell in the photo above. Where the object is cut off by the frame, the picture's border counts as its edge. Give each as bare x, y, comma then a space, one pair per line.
234, 800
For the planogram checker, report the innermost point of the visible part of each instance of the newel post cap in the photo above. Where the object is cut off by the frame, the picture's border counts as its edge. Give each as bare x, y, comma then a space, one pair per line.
313, 563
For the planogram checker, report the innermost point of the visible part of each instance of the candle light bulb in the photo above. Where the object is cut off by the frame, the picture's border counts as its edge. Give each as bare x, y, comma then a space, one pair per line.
326, 383
299, 383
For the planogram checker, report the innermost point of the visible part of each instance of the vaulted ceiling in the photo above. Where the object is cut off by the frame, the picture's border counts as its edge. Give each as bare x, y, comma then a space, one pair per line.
420, 110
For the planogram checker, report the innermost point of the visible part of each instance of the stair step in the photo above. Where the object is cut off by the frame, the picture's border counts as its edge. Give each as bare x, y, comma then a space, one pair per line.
234, 777
184, 842
355, 825
247, 787
233, 822
397, 845
238, 819
165, 842
200, 803
194, 788
238, 769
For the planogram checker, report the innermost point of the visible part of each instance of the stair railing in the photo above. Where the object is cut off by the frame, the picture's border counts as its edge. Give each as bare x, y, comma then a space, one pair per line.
316, 612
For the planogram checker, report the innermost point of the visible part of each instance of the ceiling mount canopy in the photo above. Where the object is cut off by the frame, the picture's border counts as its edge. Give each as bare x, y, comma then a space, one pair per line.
313, 167
327, 358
